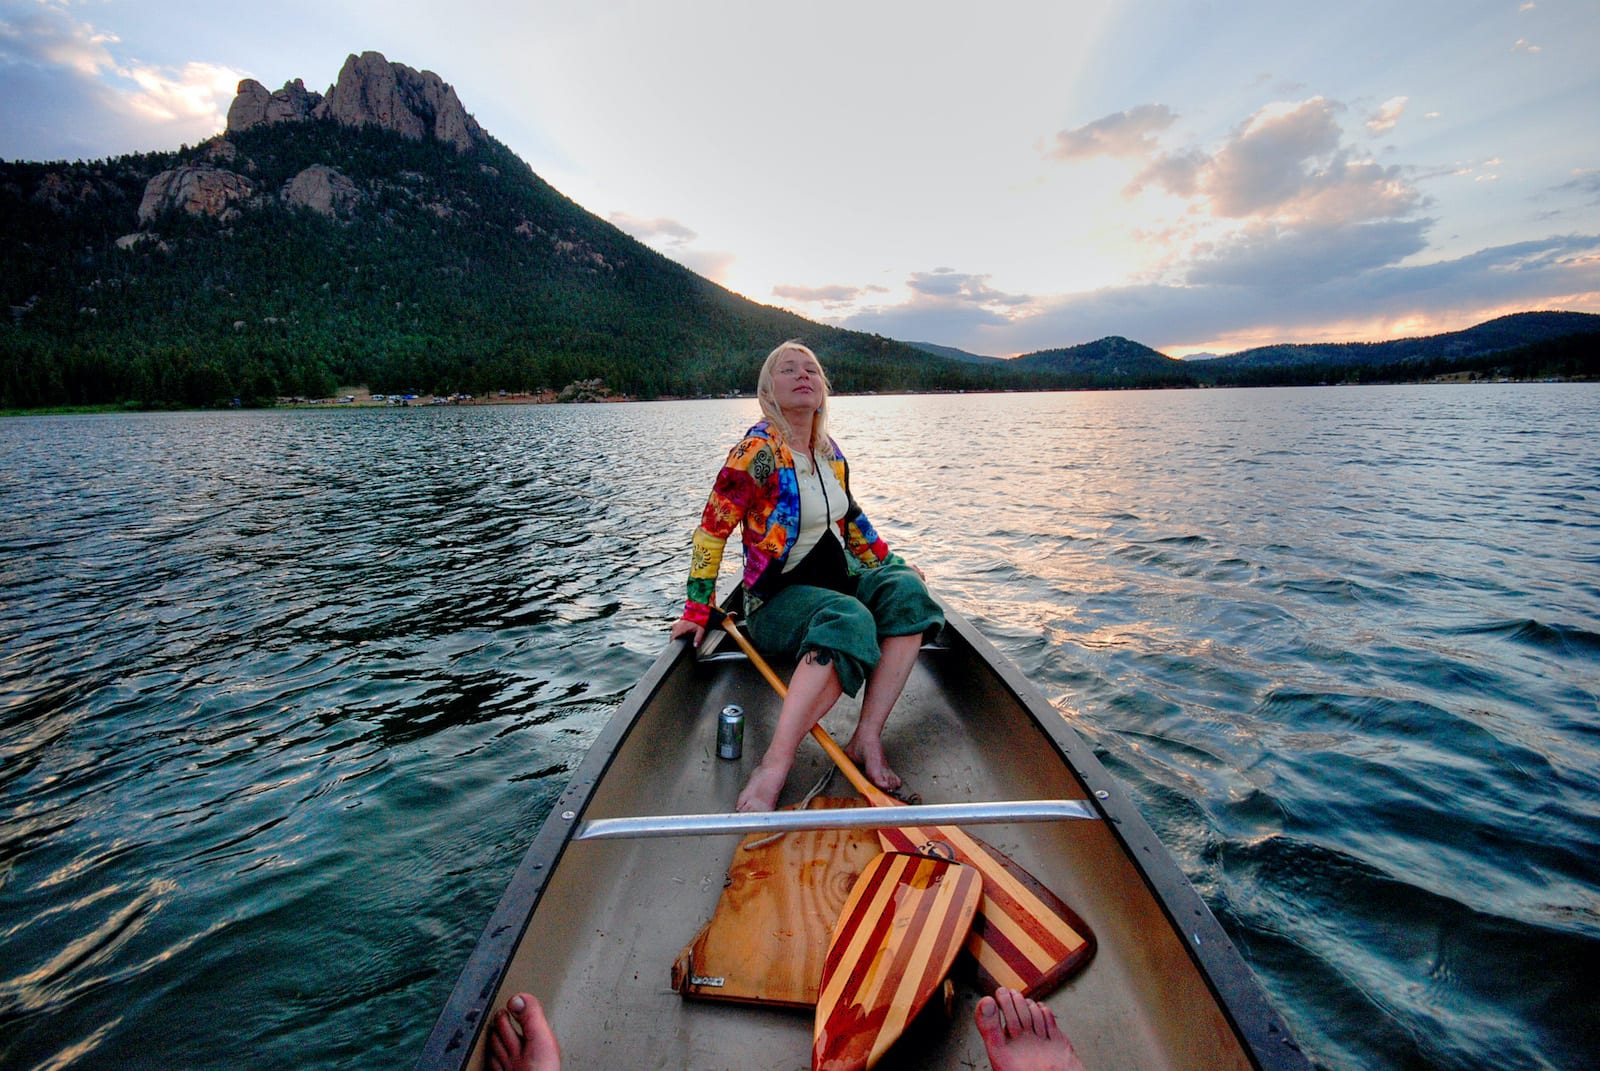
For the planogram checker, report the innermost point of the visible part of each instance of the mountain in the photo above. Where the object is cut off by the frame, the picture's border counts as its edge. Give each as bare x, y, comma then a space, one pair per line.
1530, 345
377, 235
1406, 358
1110, 362
1506, 332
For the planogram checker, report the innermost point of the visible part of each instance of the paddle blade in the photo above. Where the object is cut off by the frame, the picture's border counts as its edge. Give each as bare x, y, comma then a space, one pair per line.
1025, 937
901, 928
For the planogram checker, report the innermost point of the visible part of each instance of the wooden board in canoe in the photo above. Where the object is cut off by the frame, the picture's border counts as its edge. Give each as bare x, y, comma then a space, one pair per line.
593, 926
768, 940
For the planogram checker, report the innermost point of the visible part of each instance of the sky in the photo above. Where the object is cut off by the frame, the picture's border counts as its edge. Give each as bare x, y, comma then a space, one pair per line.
1003, 177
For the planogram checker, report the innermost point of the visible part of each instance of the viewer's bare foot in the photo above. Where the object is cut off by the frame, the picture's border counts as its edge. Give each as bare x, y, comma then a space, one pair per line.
533, 1047
868, 754
1021, 1035
761, 792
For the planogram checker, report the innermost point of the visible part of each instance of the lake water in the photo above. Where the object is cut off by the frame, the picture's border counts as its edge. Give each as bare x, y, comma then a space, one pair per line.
283, 695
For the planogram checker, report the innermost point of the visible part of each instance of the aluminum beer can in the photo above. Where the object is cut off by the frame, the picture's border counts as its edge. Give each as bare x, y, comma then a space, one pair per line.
730, 732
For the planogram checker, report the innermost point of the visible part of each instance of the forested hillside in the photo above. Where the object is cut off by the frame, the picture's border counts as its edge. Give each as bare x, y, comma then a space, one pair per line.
451, 272
293, 256
1525, 345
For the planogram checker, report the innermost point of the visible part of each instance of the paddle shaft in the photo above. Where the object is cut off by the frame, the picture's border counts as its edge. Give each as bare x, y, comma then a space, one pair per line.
875, 795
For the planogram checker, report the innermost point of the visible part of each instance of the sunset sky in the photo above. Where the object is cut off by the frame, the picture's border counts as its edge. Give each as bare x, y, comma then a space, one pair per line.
1002, 177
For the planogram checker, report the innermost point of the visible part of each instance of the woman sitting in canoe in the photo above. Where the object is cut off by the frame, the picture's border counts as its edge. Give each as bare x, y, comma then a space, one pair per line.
819, 584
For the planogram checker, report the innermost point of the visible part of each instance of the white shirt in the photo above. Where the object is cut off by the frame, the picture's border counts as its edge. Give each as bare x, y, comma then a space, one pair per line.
822, 505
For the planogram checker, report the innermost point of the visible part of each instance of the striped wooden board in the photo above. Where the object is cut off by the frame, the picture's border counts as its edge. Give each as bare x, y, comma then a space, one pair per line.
902, 926
1025, 938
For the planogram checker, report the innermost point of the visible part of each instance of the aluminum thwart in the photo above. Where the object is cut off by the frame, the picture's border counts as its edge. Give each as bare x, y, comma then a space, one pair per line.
684, 825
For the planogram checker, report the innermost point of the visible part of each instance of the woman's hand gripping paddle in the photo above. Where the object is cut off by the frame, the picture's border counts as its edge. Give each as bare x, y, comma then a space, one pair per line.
897, 936
1024, 938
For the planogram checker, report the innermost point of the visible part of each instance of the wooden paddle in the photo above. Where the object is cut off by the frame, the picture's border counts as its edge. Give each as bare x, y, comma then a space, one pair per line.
900, 929
1024, 938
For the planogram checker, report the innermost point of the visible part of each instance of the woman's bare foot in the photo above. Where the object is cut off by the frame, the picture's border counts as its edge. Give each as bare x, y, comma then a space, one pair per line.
1021, 1035
761, 792
868, 754
520, 1039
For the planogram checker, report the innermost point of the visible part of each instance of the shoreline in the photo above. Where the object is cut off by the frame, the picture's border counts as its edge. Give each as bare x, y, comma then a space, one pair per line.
361, 399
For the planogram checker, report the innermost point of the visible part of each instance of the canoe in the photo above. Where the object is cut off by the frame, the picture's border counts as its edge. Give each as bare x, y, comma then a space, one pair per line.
608, 894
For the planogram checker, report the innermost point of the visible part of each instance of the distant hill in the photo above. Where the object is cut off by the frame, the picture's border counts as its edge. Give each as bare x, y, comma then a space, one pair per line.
1407, 358
954, 354
1526, 345
1110, 362
1519, 329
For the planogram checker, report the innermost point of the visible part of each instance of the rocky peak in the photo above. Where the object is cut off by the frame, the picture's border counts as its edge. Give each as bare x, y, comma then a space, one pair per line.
371, 90
255, 105
396, 97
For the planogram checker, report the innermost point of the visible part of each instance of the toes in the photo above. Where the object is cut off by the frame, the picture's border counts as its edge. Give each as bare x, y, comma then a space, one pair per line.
1052, 1029
1035, 1021
990, 1026
541, 1039
1013, 1008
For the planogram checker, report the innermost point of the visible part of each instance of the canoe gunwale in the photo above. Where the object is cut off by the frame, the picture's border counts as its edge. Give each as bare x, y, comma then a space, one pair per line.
455, 1033
1234, 985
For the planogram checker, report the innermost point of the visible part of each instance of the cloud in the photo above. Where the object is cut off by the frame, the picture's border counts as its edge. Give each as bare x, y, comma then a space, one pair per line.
1272, 257
1561, 271
1128, 133
1282, 215
1286, 163
829, 297
63, 73
948, 324
197, 91
1388, 115
1283, 200
668, 231
1524, 45
1267, 164
1586, 183
944, 304
1178, 173
948, 285
675, 240
44, 35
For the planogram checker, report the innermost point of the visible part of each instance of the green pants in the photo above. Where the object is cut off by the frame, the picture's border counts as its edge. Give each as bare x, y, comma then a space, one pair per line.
889, 601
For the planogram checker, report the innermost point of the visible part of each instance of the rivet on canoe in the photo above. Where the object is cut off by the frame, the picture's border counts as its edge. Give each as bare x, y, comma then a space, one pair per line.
569, 815
1101, 794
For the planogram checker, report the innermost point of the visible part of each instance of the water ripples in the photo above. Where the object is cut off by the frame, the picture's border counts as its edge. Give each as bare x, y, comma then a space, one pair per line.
1339, 644
282, 695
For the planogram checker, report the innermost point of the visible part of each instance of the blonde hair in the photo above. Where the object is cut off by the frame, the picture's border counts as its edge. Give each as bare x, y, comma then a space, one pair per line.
766, 394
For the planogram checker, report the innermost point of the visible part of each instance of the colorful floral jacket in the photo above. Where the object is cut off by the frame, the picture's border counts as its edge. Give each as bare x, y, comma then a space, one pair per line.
757, 489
